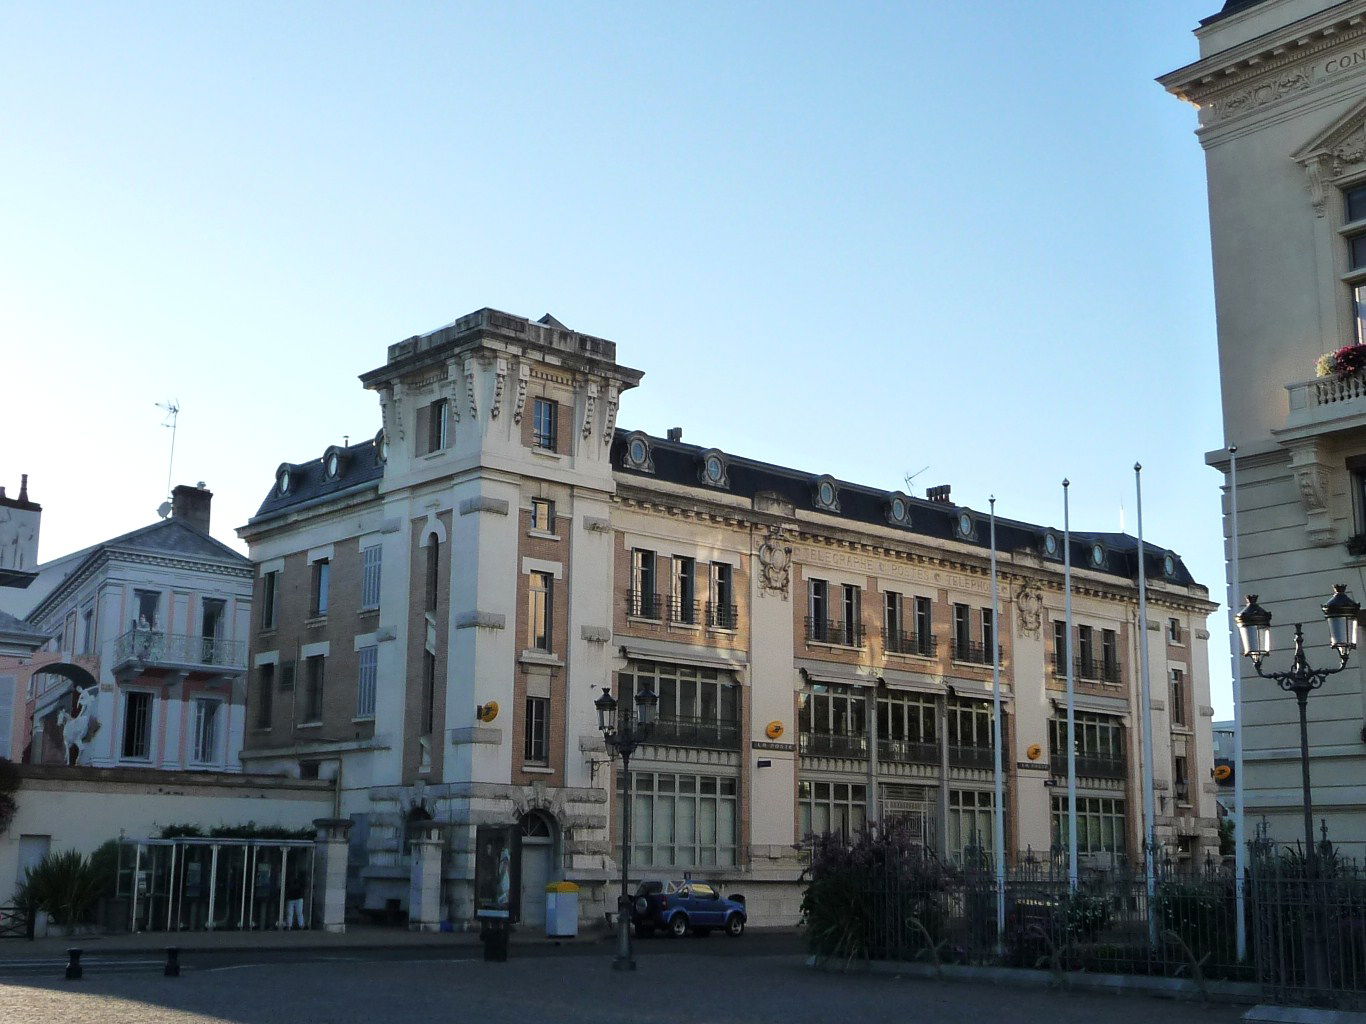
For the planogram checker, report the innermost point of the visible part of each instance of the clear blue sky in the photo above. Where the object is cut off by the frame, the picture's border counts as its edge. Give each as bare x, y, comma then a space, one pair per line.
860, 239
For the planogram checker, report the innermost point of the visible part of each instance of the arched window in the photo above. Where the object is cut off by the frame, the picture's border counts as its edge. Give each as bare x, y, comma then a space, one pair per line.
433, 562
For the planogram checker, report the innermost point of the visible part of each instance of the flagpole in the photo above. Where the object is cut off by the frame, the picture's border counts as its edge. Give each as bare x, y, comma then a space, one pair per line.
1071, 696
1235, 591
1146, 718
998, 807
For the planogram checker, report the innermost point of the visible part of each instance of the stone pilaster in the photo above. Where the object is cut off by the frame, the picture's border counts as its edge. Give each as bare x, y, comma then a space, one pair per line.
329, 881
424, 890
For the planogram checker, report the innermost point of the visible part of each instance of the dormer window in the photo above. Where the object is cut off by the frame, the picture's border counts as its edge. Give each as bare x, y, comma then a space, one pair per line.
1097, 556
899, 510
332, 463
1052, 547
382, 446
827, 495
965, 525
1169, 566
637, 454
282, 480
714, 470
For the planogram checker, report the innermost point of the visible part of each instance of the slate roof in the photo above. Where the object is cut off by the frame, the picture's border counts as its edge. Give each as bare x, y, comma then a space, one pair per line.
360, 464
176, 537
1230, 7
680, 463
12, 627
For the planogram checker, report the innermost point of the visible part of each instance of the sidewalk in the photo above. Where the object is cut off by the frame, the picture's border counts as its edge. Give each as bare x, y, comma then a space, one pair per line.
358, 936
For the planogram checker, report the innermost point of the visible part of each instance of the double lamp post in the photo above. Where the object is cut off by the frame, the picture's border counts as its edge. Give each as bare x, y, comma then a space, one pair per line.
1254, 627
625, 727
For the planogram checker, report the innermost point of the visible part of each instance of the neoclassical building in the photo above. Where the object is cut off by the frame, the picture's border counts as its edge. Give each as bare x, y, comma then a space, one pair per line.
1280, 86
438, 608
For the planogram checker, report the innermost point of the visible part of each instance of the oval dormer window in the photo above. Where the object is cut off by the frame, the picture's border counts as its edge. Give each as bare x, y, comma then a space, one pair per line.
1097, 555
382, 446
965, 524
282, 481
899, 509
714, 469
1050, 544
637, 451
1169, 565
333, 466
827, 493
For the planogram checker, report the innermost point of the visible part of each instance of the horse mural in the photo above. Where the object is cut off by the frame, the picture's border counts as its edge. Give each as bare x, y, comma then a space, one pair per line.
79, 729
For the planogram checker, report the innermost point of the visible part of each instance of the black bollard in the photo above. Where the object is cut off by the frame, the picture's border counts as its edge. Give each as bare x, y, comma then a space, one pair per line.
73, 965
172, 962
495, 936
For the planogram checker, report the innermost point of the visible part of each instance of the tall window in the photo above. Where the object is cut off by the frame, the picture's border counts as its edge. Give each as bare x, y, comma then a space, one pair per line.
433, 565
206, 712
367, 676
265, 695
853, 615
438, 425
322, 574
1086, 647
722, 613
970, 822
988, 633
372, 560
1109, 655
540, 610
543, 515
313, 689
818, 610
1174, 630
682, 821
545, 417
428, 691
907, 728
833, 720
684, 590
924, 624
962, 630
1181, 779
148, 603
1355, 202
1100, 825
270, 586
137, 725
88, 631
969, 723
825, 807
893, 625
536, 741
698, 707
644, 600
1060, 646
1178, 697
1100, 745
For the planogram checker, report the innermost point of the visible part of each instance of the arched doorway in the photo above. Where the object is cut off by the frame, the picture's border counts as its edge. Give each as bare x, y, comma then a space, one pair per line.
62, 727
538, 864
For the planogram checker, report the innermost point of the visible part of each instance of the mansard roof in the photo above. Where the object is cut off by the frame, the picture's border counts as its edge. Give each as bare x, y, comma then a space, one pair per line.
682, 464
17, 629
1230, 7
359, 464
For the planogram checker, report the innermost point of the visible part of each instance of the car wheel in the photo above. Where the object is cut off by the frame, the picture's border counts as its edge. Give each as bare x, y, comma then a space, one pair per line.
735, 925
644, 931
678, 925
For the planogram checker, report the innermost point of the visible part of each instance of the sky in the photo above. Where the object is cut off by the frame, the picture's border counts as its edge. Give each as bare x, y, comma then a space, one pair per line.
967, 242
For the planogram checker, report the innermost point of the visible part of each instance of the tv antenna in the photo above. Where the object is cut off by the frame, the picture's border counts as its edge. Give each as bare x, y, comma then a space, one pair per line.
172, 409
910, 479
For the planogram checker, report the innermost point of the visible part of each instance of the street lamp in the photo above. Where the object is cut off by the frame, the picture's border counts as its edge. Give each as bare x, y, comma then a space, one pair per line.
624, 732
1254, 626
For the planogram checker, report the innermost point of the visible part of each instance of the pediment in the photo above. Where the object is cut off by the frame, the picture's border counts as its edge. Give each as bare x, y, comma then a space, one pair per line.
1344, 139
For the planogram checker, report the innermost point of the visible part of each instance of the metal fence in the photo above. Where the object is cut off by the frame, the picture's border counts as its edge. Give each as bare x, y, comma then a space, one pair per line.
1306, 936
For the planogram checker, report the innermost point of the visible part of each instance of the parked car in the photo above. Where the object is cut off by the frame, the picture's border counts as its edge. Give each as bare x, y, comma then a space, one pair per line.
687, 906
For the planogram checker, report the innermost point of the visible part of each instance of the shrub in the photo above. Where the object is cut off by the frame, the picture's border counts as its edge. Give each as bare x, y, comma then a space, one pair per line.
249, 830
9, 783
65, 885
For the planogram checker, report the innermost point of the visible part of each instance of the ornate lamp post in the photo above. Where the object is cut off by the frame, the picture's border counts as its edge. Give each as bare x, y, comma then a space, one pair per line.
624, 731
1254, 626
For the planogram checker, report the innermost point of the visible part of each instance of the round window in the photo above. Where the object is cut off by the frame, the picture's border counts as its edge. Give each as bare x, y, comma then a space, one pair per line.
1097, 555
284, 481
1050, 543
1169, 565
965, 524
899, 510
333, 464
827, 493
713, 469
384, 447
637, 451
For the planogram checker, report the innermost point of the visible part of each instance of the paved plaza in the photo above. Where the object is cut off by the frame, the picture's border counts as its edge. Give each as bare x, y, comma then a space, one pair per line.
714, 982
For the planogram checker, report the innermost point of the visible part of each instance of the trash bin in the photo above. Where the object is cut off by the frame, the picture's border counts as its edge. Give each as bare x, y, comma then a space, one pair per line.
561, 910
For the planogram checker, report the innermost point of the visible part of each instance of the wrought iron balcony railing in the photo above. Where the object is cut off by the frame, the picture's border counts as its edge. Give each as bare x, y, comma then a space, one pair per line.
153, 647
896, 641
644, 605
722, 616
830, 631
834, 745
973, 756
684, 612
974, 653
1088, 668
1091, 766
682, 731
907, 752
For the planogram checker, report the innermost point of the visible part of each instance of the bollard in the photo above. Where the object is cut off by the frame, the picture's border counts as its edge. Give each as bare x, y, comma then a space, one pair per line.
73, 965
172, 962
495, 937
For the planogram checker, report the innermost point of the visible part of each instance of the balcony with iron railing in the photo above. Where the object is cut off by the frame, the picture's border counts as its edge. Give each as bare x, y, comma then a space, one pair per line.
1089, 669
974, 653
834, 744
722, 616
972, 755
830, 631
908, 752
684, 731
154, 648
684, 612
644, 605
1091, 766
896, 641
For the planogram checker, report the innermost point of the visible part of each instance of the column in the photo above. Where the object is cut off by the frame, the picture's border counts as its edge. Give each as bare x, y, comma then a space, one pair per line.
424, 887
329, 873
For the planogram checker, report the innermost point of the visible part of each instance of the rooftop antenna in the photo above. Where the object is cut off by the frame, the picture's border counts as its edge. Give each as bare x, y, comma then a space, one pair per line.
910, 479
172, 409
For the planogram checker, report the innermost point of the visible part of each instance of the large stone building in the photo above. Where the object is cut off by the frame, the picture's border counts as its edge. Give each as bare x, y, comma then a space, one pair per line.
1281, 91
438, 608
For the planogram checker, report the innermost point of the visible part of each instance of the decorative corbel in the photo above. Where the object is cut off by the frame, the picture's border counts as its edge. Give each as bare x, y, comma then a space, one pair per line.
499, 384
389, 413
523, 376
1311, 480
610, 424
589, 404
469, 388
1317, 173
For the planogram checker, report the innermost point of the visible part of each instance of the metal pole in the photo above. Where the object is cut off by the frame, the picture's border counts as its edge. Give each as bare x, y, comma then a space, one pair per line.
1146, 718
1310, 857
137, 870
280, 882
1235, 590
623, 962
213, 883
1071, 695
998, 830
170, 887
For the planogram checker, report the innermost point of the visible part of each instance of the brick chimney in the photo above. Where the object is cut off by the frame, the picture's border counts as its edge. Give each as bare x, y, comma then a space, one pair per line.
192, 505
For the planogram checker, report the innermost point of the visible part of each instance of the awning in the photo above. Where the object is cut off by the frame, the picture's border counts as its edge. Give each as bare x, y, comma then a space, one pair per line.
833, 672
918, 682
684, 654
977, 689
1095, 703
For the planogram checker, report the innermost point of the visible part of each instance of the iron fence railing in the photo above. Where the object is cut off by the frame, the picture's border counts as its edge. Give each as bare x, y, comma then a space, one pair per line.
1088, 668
722, 616
710, 733
908, 752
896, 641
1091, 766
974, 653
965, 755
834, 745
832, 631
644, 605
153, 647
684, 611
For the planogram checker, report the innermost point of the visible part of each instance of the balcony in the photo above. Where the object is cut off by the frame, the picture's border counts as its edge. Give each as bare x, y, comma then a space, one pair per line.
1327, 404
834, 745
1091, 766
684, 613
895, 641
1089, 669
973, 653
152, 648
973, 756
708, 733
907, 752
722, 616
829, 631
643, 605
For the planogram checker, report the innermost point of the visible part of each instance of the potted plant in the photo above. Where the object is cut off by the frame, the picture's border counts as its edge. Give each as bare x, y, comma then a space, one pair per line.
1344, 362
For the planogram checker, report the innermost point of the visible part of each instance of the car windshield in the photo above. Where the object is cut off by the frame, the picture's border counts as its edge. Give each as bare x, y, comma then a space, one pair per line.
650, 888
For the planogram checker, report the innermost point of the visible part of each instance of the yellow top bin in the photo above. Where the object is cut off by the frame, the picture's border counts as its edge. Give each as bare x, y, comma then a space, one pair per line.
561, 910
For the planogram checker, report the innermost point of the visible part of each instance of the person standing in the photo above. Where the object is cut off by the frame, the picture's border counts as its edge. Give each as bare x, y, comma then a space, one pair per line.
294, 897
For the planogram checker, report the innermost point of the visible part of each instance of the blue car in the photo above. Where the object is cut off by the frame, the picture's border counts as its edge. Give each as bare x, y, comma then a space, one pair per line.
678, 908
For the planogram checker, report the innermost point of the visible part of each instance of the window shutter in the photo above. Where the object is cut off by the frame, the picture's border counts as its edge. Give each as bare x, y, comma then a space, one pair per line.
422, 436
7, 685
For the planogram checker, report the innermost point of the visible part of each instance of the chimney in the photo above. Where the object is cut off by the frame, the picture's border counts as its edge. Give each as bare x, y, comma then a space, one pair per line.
675, 434
939, 494
192, 505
